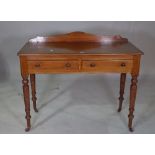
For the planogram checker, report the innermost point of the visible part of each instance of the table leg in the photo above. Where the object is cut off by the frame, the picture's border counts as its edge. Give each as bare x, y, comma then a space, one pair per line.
33, 89
122, 86
133, 91
26, 94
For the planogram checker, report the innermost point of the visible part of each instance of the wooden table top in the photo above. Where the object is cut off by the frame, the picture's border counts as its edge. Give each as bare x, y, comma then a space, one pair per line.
79, 43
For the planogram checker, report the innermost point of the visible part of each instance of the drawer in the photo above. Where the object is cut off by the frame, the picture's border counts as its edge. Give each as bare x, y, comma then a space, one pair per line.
53, 66
107, 66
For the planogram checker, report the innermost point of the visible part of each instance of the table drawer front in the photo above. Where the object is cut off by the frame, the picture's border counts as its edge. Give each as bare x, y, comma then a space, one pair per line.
53, 66
107, 65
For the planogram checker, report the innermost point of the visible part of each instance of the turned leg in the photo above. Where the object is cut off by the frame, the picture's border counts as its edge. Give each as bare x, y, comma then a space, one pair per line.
122, 86
26, 94
133, 91
33, 89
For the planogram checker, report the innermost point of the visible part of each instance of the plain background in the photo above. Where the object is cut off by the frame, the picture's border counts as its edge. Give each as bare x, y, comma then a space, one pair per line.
13, 36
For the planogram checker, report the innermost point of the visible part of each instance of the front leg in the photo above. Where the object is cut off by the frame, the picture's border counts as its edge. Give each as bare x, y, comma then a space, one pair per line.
33, 89
122, 86
133, 91
26, 94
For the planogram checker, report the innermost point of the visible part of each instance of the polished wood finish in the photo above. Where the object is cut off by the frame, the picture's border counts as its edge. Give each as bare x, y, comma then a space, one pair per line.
33, 89
80, 37
79, 43
122, 86
53, 66
79, 52
116, 66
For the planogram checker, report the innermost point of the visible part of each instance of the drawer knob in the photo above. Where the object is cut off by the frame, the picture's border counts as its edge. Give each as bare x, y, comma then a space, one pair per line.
67, 65
123, 64
37, 65
92, 65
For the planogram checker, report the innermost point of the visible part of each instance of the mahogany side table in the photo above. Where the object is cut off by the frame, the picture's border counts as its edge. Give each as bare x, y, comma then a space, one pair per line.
79, 52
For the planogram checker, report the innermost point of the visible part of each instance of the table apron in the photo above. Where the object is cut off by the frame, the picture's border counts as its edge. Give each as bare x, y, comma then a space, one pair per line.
77, 66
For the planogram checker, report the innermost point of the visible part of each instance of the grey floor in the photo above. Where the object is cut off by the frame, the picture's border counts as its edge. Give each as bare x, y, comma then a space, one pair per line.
84, 103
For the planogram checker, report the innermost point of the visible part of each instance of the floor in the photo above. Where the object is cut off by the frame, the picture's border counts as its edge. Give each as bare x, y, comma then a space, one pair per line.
78, 104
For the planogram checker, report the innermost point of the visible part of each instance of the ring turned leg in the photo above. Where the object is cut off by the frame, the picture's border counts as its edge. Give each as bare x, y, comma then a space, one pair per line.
122, 86
33, 89
133, 91
26, 94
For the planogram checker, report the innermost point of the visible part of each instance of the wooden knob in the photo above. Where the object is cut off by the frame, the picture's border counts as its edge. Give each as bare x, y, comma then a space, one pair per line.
67, 65
92, 65
123, 64
37, 65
